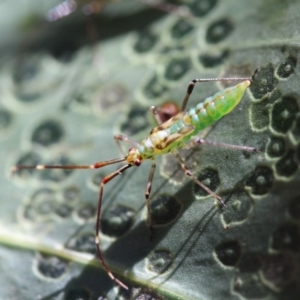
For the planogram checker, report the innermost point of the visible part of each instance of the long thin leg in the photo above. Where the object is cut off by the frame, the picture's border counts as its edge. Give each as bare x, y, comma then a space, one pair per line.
153, 109
200, 141
93, 166
193, 82
188, 172
104, 181
164, 112
155, 113
147, 196
123, 138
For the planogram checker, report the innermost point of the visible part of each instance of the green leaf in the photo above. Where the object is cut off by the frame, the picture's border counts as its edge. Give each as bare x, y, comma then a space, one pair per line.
69, 86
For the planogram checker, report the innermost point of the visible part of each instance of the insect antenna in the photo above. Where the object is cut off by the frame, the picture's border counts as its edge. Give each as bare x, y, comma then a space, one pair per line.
97, 165
104, 181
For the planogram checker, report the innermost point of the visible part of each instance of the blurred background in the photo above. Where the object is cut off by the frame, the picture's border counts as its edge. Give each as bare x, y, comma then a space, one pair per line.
75, 73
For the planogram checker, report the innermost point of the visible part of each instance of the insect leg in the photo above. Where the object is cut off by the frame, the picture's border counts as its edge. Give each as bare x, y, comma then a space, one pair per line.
188, 172
164, 112
104, 181
123, 138
156, 115
200, 141
191, 85
44, 167
147, 196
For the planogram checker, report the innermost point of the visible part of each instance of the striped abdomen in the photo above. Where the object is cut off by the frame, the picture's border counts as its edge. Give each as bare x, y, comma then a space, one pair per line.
183, 126
215, 107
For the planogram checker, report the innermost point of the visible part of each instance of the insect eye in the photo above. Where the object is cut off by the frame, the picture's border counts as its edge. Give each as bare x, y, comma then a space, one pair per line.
137, 162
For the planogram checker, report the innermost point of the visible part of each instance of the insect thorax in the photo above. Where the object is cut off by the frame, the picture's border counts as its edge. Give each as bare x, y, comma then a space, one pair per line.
167, 136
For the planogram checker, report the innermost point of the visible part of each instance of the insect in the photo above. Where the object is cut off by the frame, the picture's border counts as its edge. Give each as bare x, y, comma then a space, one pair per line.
176, 133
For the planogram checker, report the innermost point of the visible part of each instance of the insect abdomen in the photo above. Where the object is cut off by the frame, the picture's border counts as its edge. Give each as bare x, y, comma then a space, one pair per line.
215, 107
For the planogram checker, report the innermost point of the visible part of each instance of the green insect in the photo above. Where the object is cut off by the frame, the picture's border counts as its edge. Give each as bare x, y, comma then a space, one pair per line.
178, 132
